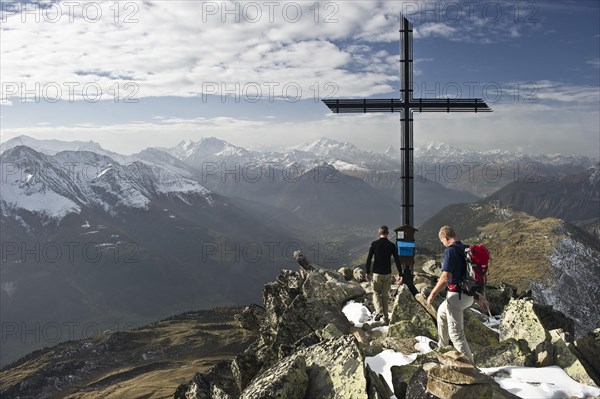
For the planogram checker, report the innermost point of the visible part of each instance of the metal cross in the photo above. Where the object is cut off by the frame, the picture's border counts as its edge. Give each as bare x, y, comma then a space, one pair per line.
406, 105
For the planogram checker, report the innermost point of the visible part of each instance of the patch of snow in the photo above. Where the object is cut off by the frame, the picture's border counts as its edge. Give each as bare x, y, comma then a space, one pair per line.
89, 232
539, 383
490, 322
86, 225
493, 323
382, 363
356, 313
105, 170
37, 199
422, 345
105, 245
341, 165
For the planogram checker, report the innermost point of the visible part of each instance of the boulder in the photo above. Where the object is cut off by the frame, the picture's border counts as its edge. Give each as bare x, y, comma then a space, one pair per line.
217, 383
251, 318
417, 386
499, 296
424, 283
305, 316
377, 387
285, 380
198, 388
509, 352
277, 296
222, 382
324, 283
410, 319
402, 345
432, 268
520, 320
587, 350
346, 272
335, 369
422, 299
478, 335
401, 376
565, 359
450, 375
359, 275
330, 331
244, 368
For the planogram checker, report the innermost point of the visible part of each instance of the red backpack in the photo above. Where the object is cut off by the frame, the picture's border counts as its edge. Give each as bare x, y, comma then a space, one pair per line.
477, 258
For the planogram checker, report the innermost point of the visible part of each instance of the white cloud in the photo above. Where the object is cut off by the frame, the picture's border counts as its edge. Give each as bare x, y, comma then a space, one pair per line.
594, 62
431, 29
533, 127
173, 48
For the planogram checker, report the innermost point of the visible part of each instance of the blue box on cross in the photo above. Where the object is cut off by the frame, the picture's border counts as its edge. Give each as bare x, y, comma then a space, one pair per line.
406, 248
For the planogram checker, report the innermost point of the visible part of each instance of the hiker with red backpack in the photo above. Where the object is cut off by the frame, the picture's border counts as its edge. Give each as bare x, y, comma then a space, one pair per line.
463, 273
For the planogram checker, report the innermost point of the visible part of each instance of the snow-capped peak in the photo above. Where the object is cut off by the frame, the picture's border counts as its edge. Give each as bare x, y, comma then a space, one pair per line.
70, 181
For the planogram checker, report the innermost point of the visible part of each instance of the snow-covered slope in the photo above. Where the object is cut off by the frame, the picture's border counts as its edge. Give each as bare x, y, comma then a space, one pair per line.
64, 183
445, 153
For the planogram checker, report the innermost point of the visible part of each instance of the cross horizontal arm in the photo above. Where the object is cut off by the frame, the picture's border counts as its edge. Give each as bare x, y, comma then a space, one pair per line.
372, 105
448, 105
342, 106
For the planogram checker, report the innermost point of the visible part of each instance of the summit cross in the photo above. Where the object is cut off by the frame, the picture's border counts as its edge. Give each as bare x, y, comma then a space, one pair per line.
406, 105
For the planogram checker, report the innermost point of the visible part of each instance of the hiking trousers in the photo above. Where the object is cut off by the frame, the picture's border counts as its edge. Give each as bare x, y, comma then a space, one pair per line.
382, 283
450, 321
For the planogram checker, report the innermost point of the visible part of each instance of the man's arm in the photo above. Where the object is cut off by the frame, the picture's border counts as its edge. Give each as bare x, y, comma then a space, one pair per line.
369, 258
397, 261
442, 282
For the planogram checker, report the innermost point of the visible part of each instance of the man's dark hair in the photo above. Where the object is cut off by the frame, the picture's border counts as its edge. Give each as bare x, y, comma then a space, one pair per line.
384, 230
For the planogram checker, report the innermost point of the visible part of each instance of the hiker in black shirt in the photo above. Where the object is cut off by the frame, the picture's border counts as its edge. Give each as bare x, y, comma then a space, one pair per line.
383, 250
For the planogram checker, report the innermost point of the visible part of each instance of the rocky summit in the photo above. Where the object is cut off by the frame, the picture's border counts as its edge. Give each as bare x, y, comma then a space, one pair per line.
314, 336
308, 348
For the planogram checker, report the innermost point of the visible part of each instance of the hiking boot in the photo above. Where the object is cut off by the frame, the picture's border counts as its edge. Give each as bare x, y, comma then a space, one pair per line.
386, 321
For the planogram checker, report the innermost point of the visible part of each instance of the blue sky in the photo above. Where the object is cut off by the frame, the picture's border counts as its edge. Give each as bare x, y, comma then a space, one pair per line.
164, 69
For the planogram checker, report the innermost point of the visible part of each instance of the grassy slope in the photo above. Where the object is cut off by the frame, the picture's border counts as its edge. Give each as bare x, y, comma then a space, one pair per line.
149, 362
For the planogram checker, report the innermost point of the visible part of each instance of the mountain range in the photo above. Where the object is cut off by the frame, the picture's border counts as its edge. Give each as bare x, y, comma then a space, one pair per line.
110, 238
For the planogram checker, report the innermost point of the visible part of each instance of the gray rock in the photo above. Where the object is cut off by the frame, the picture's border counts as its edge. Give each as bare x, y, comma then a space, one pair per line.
499, 296
359, 275
409, 318
346, 272
335, 369
477, 333
244, 368
587, 350
251, 318
565, 359
285, 380
324, 283
509, 352
378, 384
401, 376
450, 375
217, 383
520, 321
432, 268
